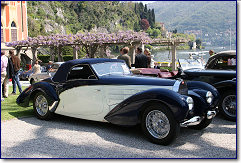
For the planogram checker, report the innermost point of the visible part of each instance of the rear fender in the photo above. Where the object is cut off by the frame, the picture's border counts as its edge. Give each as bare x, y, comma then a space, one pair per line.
129, 111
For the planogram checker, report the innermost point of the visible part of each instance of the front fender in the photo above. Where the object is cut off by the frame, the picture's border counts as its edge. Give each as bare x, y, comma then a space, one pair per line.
128, 112
198, 86
200, 105
28, 94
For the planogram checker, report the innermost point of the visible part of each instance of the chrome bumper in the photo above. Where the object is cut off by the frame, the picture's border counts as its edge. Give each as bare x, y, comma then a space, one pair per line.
211, 114
197, 119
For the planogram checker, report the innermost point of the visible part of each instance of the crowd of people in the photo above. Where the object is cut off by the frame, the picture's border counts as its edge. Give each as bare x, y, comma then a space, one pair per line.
10, 67
142, 60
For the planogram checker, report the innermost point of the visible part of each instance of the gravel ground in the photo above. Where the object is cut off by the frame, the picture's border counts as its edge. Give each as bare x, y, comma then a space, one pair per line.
65, 137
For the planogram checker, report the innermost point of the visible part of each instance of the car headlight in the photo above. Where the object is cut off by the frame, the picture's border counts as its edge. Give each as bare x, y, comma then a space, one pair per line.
209, 97
190, 103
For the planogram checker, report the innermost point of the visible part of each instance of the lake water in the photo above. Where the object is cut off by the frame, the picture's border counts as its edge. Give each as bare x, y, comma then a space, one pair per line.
166, 55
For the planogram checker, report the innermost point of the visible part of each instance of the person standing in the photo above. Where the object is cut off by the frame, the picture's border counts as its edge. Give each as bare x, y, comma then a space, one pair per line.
210, 62
211, 52
156, 66
10, 72
4, 64
148, 54
49, 66
141, 60
124, 56
36, 68
16, 65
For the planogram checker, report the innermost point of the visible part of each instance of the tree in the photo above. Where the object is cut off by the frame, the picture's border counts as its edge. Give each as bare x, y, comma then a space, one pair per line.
145, 24
156, 33
174, 31
137, 27
153, 17
198, 43
145, 13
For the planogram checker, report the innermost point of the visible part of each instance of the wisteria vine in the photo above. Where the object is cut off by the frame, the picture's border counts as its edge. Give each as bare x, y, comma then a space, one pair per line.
83, 39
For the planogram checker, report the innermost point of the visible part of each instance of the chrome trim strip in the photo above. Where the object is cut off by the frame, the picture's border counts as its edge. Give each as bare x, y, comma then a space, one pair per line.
53, 107
192, 122
176, 86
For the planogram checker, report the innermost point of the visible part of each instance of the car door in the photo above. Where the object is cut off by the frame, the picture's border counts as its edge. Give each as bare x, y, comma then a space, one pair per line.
81, 97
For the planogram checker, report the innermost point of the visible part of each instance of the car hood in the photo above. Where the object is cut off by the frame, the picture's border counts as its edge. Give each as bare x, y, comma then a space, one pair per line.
208, 72
135, 80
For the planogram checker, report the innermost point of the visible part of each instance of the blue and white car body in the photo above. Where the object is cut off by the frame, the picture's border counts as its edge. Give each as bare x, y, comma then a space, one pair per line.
105, 90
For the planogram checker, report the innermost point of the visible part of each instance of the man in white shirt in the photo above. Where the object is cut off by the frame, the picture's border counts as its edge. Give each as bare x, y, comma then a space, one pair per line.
4, 64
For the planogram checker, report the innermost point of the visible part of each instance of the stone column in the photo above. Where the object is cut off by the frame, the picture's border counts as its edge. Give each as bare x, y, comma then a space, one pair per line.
132, 52
60, 58
142, 47
75, 52
102, 51
34, 54
173, 47
52, 54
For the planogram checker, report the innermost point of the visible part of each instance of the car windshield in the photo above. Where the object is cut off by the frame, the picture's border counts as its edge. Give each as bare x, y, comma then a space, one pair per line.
111, 68
55, 66
191, 63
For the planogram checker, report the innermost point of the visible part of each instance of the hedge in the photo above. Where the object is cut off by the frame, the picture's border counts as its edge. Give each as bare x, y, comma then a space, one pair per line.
46, 58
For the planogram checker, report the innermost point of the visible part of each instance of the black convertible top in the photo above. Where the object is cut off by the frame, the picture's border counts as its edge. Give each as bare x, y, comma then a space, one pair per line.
61, 74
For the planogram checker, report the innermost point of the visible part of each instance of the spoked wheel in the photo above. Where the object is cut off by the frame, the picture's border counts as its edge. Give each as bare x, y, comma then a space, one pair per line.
41, 106
159, 124
227, 106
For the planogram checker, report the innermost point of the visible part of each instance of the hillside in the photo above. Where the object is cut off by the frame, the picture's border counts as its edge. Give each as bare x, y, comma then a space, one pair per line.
64, 17
212, 17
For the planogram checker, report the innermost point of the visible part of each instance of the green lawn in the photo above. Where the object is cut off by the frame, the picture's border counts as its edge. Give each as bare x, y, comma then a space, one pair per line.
10, 109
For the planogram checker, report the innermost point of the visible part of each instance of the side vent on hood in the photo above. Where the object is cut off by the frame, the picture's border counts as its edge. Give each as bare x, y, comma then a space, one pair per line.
180, 86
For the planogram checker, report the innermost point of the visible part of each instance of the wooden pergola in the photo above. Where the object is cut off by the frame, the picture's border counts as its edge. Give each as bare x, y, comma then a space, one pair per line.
93, 43
173, 43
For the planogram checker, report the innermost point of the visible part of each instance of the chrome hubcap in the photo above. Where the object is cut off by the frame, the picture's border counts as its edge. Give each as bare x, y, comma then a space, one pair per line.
41, 105
157, 124
229, 105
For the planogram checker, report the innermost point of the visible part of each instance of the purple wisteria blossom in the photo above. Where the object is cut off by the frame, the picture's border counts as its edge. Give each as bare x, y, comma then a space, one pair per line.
126, 37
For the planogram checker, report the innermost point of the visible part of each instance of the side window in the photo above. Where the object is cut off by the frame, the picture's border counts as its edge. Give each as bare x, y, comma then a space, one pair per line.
225, 63
81, 72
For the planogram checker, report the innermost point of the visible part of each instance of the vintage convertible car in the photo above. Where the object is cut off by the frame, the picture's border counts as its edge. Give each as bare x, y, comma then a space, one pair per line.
105, 90
216, 72
24, 75
33, 78
223, 80
222, 61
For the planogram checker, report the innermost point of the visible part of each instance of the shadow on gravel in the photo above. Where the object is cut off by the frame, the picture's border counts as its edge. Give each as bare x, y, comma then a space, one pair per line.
121, 138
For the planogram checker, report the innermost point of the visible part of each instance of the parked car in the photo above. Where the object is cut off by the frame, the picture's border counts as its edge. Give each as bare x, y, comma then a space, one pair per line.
25, 75
33, 78
105, 90
223, 80
216, 72
220, 61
